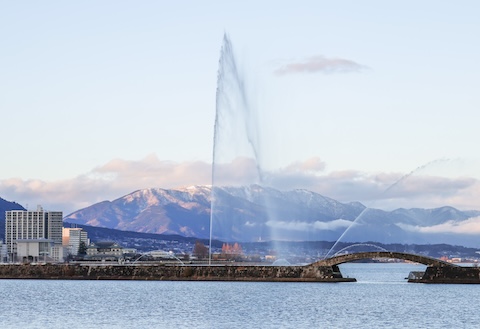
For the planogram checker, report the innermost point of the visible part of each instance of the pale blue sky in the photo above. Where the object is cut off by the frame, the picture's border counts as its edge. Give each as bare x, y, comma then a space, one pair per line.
88, 82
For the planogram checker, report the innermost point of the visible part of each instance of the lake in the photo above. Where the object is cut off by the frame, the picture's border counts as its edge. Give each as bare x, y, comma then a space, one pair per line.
380, 299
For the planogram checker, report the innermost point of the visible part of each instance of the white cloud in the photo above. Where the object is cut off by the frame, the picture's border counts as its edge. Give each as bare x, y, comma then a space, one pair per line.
311, 165
241, 171
107, 182
119, 177
320, 64
469, 226
383, 190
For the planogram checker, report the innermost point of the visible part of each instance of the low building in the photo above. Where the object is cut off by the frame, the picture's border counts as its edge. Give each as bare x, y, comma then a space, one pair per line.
105, 250
38, 250
129, 251
58, 253
3, 252
34, 250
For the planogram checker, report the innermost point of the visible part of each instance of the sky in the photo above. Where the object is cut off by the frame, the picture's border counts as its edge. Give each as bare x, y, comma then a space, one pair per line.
368, 101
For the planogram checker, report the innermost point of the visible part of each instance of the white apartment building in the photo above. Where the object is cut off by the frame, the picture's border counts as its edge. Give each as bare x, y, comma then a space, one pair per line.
3, 252
72, 237
27, 225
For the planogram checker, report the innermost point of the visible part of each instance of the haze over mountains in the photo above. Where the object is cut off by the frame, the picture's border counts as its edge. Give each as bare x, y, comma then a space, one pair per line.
258, 213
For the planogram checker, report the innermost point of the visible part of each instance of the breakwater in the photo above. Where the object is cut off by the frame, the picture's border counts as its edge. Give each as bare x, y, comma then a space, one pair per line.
174, 272
447, 274
237, 272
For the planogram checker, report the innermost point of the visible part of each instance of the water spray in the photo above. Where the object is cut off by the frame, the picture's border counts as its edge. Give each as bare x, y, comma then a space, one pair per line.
387, 190
233, 114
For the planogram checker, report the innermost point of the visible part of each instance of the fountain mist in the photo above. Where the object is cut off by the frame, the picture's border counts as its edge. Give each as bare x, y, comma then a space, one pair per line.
237, 169
235, 144
363, 219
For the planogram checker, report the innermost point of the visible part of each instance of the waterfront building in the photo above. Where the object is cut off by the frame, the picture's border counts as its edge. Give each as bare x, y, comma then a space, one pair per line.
57, 253
32, 225
129, 251
38, 250
33, 250
73, 237
105, 250
3, 252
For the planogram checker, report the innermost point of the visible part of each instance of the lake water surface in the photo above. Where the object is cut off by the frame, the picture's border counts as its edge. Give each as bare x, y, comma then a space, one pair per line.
380, 299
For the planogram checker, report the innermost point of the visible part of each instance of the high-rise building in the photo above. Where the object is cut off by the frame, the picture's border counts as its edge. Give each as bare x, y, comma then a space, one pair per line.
26, 225
72, 237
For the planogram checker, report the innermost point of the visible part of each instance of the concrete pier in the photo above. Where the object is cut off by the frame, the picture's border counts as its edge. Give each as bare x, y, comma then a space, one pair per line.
175, 272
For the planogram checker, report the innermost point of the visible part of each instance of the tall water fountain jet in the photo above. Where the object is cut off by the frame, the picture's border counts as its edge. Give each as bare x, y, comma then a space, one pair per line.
238, 176
237, 169
236, 146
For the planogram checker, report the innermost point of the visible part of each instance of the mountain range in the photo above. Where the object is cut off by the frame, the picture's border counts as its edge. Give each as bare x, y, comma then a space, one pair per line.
257, 213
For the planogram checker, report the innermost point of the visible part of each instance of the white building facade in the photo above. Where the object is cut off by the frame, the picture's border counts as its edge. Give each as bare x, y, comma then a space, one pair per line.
32, 225
3, 252
33, 250
73, 237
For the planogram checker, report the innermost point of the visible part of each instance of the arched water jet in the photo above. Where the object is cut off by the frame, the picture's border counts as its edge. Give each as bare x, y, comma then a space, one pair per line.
338, 253
358, 220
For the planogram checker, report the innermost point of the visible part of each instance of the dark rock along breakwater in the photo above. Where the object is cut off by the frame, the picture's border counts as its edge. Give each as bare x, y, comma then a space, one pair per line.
174, 272
171, 272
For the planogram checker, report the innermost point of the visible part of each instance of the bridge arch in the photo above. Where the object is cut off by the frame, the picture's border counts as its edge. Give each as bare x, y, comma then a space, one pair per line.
345, 258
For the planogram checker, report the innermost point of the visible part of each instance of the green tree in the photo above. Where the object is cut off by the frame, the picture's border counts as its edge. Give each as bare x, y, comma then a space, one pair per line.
82, 248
